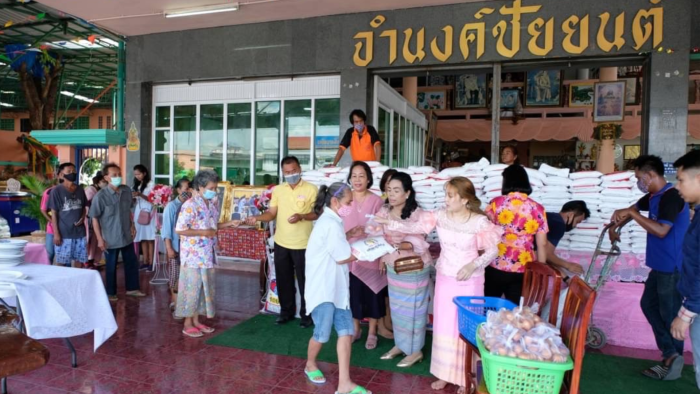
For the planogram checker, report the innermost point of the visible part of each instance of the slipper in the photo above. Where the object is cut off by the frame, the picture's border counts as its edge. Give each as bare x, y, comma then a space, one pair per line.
193, 333
315, 377
371, 343
205, 329
357, 390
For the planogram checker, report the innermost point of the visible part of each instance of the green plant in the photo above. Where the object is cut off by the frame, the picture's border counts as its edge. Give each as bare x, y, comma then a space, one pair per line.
32, 206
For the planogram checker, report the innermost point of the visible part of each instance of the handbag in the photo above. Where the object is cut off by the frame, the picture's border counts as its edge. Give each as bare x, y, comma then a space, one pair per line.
144, 217
409, 264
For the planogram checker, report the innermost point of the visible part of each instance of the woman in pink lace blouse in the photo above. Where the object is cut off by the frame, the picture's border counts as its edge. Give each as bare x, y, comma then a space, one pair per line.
464, 230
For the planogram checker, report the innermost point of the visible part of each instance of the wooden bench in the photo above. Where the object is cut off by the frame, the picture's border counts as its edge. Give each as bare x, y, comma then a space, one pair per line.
20, 354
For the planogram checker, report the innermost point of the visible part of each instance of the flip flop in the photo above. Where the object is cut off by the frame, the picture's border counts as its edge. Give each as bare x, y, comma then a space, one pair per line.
205, 329
371, 343
357, 390
315, 377
192, 333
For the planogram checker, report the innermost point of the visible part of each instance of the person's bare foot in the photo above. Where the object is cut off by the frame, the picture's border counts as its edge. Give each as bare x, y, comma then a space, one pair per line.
384, 333
438, 385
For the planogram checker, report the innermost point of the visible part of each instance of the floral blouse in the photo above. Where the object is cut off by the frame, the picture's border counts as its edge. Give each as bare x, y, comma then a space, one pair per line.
197, 252
521, 219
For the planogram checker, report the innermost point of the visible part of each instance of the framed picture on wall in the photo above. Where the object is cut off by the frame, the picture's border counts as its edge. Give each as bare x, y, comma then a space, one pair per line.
581, 94
543, 88
432, 100
470, 91
631, 90
223, 200
609, 103
509, 98
632, 152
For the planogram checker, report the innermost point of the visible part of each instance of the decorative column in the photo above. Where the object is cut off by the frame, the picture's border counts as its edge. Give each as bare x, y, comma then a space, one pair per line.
605, 133
410, 90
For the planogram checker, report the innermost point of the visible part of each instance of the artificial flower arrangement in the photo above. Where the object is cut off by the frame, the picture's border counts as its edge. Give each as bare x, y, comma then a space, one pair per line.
262, 203
159, 197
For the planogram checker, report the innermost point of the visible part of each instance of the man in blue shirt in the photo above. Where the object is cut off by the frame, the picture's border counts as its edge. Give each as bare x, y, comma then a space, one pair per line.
571, 214
666, 226
171, 239
689, 285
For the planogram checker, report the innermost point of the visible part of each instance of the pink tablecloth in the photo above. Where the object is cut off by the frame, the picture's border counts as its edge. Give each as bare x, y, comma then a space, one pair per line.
618, 314
629, 267
36, 253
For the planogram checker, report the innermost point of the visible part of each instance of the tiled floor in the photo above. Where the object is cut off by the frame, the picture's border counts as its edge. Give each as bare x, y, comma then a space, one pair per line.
148, 354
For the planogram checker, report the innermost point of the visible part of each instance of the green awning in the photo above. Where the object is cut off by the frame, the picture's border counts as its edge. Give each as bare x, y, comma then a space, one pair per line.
80, 137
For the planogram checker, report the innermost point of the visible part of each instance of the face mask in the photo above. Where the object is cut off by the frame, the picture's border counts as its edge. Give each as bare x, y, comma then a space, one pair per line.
643, 186
209, 194
569, 226
292, 179
116, 181
344, 211
359, 126
70, 177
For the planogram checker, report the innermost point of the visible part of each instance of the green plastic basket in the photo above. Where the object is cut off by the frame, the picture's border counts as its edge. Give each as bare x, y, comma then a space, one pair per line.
507, 375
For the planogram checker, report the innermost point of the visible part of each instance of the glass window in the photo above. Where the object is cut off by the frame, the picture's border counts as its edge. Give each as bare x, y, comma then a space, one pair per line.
395, 153
211, 138
328, 131
7, 124
297, 129
402, 141
163, 181
184, 140
383, 129
162, 138
267, 141
238, 140
162, 165
162, 117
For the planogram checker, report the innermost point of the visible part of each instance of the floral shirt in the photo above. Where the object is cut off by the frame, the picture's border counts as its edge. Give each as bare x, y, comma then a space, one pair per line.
521, 219
197, 252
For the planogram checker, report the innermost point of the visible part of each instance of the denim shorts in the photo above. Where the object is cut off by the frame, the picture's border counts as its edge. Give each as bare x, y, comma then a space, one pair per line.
327, 316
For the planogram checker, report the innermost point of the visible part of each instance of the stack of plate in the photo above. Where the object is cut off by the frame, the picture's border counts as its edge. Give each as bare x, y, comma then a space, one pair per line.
11, 252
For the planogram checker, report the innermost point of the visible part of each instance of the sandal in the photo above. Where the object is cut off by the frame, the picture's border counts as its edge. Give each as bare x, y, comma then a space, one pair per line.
357, 390
663, 372
371, 343
205, 329
315, 377
192, 333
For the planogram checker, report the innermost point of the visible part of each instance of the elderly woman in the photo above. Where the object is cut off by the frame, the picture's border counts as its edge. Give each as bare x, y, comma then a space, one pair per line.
196, 226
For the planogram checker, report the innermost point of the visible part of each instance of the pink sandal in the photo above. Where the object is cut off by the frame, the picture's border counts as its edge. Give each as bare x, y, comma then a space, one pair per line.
192, 333
205, 329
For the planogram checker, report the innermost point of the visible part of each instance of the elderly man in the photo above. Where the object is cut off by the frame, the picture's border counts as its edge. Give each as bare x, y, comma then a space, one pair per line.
292, 205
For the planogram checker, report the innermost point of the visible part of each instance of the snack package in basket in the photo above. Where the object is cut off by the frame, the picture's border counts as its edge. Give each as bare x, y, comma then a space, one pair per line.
520, 333
370, 249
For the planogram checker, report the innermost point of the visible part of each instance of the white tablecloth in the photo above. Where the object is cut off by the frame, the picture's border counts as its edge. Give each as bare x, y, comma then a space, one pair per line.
81, 294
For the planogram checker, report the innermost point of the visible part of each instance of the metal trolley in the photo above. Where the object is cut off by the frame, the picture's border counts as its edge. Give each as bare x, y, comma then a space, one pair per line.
596, 338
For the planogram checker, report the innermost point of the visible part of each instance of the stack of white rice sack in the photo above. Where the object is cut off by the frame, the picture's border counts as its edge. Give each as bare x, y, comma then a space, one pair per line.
330, 175
555, 189
604, 194
430, 190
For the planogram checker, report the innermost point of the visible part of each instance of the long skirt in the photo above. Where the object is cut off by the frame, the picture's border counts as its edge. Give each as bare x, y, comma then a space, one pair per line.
195, 294
364, 302
408, 300
447, 359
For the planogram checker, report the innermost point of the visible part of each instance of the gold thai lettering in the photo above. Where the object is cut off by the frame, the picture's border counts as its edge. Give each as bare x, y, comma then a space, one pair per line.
392, 35
516, 11
466, 38
368, 37
534, 29
641, 33
569, 30
618, 41
409, 56
435, 49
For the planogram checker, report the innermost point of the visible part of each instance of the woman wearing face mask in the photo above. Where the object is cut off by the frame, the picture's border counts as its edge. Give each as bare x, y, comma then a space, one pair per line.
327, 284
362, 140
408, 292
145, 233
367, 284
181, 193
94, 252
196, 226
464, 230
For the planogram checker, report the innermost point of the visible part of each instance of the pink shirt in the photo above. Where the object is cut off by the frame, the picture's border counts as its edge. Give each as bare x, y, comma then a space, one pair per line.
367, 271
45, 207
460, 243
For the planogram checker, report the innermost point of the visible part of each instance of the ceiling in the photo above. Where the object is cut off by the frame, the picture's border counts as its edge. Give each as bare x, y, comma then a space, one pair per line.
139, 17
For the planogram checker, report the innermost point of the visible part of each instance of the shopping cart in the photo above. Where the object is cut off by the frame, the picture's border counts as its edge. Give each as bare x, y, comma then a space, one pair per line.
596, 338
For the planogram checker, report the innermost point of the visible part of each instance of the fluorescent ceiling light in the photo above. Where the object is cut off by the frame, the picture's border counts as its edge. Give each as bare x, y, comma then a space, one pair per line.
7, 92
79, 97
210, 9
6, 105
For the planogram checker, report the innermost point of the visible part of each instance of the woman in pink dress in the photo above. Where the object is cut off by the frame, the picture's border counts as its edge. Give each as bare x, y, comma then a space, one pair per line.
368, 286
464, 230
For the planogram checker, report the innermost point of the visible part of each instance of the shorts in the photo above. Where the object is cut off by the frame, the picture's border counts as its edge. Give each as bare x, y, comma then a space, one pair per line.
71, 249
326, 316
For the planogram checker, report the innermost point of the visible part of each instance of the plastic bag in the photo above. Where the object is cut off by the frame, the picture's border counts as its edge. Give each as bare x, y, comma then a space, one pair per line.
370, 249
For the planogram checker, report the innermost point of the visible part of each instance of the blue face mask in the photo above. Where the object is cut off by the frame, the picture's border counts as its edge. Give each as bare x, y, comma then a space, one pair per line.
209, 194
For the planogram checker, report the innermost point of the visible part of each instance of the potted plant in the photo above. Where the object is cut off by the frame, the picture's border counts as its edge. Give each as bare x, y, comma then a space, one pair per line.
32, 206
